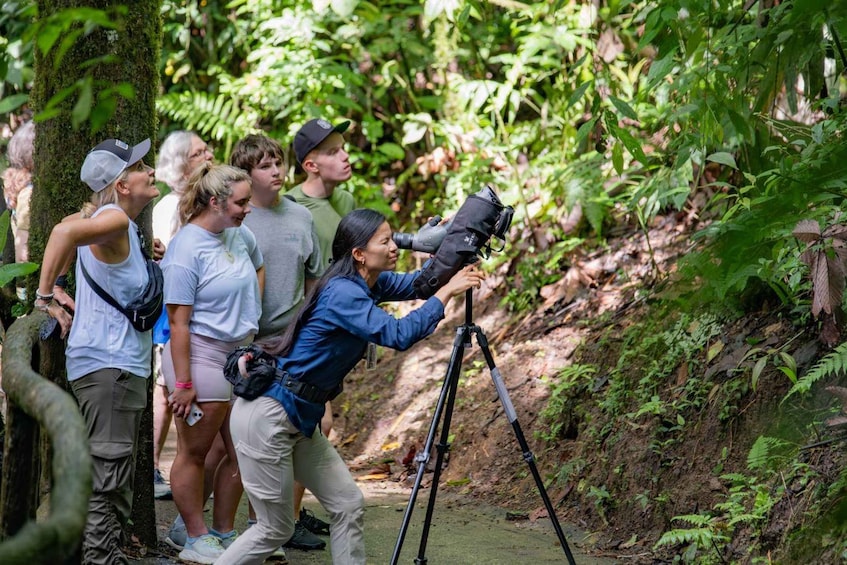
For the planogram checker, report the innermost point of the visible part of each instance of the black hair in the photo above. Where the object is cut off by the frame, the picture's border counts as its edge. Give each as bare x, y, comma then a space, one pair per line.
354, 232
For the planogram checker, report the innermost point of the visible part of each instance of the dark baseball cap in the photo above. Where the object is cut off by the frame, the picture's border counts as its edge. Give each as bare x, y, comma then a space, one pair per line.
312, 134
105, 163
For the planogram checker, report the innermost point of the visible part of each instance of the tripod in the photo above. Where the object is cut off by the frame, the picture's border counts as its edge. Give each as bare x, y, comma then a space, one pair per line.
446, 400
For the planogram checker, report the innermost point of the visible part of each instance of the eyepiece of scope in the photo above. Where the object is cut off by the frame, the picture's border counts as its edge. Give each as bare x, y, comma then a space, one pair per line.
403, 240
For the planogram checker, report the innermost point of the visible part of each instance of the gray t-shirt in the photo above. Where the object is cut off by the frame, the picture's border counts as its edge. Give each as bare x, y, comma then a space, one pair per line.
289, 245
215, 273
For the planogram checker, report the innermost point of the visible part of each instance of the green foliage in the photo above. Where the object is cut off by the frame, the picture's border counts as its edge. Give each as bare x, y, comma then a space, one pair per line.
705, 535
54, 35
11, 271
768, 452
564, 388
832, 364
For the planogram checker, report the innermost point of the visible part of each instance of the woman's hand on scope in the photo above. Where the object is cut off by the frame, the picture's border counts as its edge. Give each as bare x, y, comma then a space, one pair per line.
469, 277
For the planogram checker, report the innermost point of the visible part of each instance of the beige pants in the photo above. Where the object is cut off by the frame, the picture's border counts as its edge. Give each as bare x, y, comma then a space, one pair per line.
272, 453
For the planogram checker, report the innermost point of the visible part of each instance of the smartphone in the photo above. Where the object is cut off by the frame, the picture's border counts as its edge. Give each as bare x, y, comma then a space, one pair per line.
194, 412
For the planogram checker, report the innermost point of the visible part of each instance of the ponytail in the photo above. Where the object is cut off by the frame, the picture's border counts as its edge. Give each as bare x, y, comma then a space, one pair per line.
208, 181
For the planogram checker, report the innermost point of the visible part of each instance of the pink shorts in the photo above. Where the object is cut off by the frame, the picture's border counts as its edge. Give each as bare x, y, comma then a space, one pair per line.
207, 363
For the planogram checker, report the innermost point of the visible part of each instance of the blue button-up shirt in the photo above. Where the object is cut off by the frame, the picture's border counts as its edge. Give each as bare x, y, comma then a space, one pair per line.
334, 337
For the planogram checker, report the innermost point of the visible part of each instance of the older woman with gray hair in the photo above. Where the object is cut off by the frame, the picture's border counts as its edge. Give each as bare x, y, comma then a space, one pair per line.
180, 154
17, 186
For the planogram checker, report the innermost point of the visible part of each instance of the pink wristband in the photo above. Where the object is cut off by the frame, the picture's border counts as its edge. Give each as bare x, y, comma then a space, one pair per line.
186, 384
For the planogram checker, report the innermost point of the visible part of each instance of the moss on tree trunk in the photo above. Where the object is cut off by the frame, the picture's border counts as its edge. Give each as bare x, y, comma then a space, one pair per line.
128, 54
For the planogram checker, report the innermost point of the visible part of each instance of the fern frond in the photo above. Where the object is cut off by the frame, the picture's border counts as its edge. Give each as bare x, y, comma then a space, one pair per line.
832, 364
219, 117
694, 519
763, 452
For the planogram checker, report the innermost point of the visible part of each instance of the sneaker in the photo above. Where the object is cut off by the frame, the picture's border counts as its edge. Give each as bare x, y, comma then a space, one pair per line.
304, 539
161, 489
203, 549
177, 534
225, 539
313, 523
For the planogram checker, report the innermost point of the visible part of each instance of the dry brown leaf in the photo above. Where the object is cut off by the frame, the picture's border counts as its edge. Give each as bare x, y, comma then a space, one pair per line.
349, 439
374, 477
807, 230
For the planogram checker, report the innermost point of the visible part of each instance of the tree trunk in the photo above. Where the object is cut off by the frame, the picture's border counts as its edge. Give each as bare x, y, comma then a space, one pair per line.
127, 54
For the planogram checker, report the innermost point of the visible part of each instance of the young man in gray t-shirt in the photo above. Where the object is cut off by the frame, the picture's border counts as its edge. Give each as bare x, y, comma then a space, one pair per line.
290, 246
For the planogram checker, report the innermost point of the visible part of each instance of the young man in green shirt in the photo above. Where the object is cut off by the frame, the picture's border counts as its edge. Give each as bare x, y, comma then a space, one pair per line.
319, 149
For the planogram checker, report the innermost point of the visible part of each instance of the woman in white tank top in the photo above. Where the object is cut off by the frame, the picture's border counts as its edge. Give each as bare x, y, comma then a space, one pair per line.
108, 361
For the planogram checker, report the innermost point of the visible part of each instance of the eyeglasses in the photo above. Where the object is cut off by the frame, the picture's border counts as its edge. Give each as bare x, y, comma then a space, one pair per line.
200, 153
138, 167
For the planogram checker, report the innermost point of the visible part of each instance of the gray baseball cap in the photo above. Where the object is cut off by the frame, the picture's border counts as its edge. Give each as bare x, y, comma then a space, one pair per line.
105, 163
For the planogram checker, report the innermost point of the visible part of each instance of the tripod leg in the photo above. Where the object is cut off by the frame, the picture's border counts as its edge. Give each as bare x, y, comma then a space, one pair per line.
511, 415
447, 396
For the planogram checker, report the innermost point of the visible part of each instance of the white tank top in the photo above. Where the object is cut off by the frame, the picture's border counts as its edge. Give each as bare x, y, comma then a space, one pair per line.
101, 337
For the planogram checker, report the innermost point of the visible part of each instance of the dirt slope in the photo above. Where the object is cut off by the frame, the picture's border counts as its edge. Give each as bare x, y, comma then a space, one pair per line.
385, 413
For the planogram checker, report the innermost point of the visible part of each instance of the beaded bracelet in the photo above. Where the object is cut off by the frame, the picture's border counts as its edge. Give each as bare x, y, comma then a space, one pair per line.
47, 297
43, 307
186, 384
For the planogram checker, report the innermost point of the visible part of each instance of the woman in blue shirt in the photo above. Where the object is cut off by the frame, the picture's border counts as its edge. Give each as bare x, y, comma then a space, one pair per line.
277, 436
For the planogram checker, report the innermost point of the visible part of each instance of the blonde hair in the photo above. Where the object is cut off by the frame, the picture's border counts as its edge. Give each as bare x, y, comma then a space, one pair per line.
206, 182
108, 195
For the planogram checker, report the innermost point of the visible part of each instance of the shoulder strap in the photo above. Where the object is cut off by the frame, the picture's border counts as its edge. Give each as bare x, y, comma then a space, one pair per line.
99, 290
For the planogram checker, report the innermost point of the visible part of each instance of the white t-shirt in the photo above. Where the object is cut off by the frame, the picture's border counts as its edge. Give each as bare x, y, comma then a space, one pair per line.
216, 275
165, 218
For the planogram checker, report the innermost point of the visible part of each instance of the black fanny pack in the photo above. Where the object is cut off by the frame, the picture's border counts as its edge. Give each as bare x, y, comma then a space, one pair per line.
144, 311
262, 372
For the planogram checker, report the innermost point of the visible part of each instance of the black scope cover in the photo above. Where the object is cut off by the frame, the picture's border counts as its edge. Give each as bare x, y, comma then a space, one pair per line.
470, 230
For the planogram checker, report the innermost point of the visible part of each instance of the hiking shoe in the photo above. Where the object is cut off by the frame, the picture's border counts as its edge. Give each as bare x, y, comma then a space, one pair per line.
279, 556
161, 489
177, 534
313, 523
304, 539
225, 539
202, 549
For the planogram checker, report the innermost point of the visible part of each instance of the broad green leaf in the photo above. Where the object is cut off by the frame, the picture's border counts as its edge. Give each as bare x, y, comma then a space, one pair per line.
13, 102
392, 150
11, 271
82, 108
579, 92
723, 158
757, 371
714, 350
617, 157
623, 107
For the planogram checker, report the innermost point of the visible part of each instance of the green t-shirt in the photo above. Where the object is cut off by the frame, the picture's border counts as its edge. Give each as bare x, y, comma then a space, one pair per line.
327, 214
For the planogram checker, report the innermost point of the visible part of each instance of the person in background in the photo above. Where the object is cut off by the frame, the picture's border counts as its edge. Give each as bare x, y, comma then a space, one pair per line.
180, 153
17, 186
213, 278
286, 235
108, 361
340, 316
319, 150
